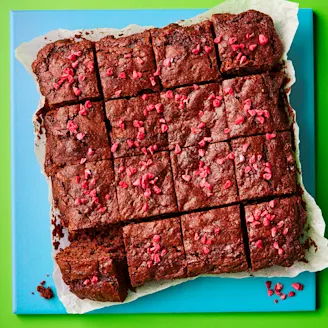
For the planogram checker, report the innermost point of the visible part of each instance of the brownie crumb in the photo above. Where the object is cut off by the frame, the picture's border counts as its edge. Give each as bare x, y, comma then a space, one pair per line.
56, 244
32, 293
42, 282
46, 293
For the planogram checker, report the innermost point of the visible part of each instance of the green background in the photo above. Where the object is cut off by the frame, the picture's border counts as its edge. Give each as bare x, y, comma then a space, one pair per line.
318, 318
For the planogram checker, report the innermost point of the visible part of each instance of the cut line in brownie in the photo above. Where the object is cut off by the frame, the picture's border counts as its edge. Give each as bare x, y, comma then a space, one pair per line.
65, 71
144, 186
204, 178
274, 232
137, 125
213, 241
93, 271
185, 54
255, 104
195, 114
126, 65
85, 195
265, 165
154, 251
75, 134
247, 42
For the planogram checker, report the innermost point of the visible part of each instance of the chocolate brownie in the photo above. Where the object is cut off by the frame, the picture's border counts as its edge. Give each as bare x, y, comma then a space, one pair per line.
154, 251
66, 72
92, 272
109, 238
194, 113
204, 178
265, 165
247, 42
137, 125
126, 65
185, 54
85, 195
255, 105
274, 232
144, 186
75, 134
213, 241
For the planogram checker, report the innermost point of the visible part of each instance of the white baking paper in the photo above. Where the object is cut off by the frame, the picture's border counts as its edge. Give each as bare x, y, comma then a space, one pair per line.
284, 15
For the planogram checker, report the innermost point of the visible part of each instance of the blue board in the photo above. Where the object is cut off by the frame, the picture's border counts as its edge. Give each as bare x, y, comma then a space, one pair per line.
30, 206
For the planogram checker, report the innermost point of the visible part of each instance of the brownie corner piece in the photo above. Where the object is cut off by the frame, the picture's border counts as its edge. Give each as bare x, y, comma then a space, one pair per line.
85, 195
154, 251
126, 65
65, 71
92, 272
255, 104
247, 42
144, 186
185, 54
204, 178
213, 241
274, 232
137, 125
75, 134
265, 165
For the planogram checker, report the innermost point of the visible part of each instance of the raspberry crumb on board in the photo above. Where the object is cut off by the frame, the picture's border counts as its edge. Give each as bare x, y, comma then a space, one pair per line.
278, 287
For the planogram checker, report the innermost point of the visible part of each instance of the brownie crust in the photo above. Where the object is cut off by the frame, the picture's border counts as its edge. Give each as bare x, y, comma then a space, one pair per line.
65, 70
265, 165
137, 125
274, 232
75, 134
247, 42
255, 104
192, 113
86, 195
204, 180
154, 251
126, 65
185, 54
144, 186
92, 272
213, 241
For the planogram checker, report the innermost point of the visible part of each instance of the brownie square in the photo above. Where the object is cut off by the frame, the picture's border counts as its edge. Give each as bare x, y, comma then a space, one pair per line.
126, 65
85, 195
66, 72
185, 54
213, 241
274, 232
192, 113
137, 125
204, 178
75, 134
144, 186
154, 251
247, 42
109, 238
265, 165
255, 105
92, 272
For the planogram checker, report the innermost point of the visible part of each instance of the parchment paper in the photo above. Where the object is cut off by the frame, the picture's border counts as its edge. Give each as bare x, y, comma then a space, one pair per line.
284, 15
